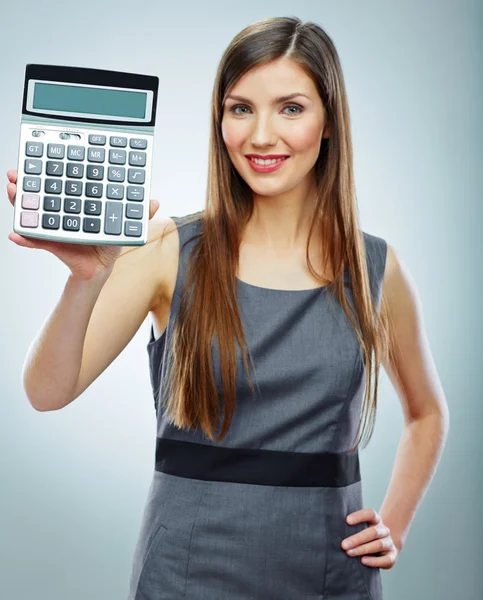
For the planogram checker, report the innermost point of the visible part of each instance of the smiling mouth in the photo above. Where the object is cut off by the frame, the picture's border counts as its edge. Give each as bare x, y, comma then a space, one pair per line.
270, 161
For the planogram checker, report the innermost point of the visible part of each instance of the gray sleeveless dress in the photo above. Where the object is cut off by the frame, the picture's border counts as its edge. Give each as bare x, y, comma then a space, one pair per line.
261, 515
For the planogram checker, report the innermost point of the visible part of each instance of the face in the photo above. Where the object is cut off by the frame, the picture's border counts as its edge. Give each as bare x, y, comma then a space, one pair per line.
256, 121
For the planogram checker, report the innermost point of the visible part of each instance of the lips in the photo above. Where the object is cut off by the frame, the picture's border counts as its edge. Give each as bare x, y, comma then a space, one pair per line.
268, 168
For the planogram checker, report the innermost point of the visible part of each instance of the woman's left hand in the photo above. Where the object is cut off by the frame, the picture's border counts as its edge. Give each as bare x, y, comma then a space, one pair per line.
374, 540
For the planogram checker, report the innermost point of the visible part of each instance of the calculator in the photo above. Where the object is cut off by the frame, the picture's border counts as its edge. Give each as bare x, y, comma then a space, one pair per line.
85, 155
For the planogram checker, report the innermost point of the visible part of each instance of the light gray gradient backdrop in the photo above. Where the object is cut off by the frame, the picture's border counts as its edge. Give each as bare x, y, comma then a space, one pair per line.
74, 482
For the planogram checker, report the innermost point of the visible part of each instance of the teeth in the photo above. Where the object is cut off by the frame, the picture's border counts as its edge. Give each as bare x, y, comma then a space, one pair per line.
271, 161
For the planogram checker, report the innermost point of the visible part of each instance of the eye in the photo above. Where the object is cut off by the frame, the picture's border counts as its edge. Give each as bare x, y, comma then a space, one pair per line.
297, 106
235, 106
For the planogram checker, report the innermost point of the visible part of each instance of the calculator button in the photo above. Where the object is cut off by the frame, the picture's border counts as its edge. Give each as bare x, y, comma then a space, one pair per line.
71, 223
133, 229
117, 157
91, 225
55, 168
134, 211
94, 190
135, 192
92, 207
51, 221
115, 192
55, 150
31, 184
30, 201
138, 143
96, 154
137, 159
116, 174
72, 205
97, 140
136, 175
33, 166
29, 219
52, 203
73, 188
76, 152
113, 219
53, 186
75, 170
94, 172
120, 142
34, 148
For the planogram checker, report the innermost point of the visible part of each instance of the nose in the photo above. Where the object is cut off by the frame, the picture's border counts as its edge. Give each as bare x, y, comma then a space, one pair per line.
263, 134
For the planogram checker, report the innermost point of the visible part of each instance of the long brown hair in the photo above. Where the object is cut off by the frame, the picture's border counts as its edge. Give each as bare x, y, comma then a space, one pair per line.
208, 306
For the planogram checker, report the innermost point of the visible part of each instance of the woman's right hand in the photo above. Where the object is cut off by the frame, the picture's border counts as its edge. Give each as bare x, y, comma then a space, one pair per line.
84, 260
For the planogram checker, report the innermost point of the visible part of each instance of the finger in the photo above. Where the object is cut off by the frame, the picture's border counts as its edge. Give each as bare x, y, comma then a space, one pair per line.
12, 175
366, 535
372, 547
153, 207
11, 192
383, 562
20, 240
365, 514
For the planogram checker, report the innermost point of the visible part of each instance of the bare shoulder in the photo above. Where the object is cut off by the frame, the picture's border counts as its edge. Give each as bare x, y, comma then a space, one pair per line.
399, 286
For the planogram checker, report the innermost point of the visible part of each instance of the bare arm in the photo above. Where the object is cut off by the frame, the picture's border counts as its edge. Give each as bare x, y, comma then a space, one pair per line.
93, 322
53, 361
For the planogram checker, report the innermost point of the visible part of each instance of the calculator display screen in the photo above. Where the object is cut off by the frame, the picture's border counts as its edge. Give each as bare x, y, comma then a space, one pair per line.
79, 100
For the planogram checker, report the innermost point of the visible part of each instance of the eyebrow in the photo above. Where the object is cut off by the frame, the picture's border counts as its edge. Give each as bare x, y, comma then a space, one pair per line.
276, 100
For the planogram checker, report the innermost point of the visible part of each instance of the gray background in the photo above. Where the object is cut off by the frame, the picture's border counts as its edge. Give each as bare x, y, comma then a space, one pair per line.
74, 482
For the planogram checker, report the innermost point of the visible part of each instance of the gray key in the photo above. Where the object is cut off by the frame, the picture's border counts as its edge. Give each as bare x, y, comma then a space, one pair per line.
55, 167
92, 207
31, 184
134, 211
50, 221
95, 172
113, 218
94, 190
76, 152
34, 148
119, 142
133, 229
33, 166
91, 225
53, 186
117, 157
55, 150
71, 223
135, 192
73, 188
138, 143
116, 174
137, 159
72, 205
115, 192
136, 175
74, 170
97, 140
96, 154
52, 203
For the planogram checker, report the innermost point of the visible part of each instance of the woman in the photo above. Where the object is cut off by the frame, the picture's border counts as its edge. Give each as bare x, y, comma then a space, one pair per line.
256, 490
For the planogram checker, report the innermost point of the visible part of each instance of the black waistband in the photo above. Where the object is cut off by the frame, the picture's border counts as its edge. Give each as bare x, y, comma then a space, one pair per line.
261, 467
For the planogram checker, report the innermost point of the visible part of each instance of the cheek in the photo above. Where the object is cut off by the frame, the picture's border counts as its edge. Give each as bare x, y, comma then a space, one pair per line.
233, 136
304, 138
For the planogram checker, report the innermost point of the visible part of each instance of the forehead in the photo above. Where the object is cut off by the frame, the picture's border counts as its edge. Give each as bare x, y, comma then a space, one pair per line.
283, 76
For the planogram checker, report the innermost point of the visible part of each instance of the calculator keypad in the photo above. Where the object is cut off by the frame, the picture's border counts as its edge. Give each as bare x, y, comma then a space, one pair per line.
104, 178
